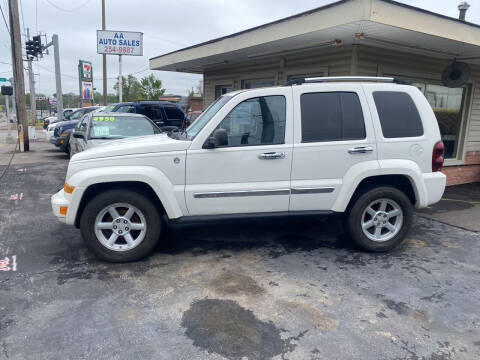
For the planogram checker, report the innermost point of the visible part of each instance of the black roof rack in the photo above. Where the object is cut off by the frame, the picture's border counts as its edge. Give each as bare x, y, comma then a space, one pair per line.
300, 81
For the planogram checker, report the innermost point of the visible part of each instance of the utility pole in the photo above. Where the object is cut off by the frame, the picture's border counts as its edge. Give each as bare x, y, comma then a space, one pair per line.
58, 79
31, 83
58, 75
104, 59
17, 65
120, 79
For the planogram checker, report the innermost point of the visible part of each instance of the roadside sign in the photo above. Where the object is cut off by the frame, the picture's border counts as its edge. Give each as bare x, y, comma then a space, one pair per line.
119, 42
41, 98
87, 90
85, 70
52, 101
3, 79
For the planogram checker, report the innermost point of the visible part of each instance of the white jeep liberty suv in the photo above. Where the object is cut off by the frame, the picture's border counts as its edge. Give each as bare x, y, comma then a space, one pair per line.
366, 147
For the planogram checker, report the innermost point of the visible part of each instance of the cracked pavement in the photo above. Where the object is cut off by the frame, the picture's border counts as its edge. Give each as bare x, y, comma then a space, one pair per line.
281, 289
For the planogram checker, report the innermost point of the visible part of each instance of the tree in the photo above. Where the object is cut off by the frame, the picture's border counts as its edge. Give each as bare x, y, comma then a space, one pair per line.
151, 88
130, 88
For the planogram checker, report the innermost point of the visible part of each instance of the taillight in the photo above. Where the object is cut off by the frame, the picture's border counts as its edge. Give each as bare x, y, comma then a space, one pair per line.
437, 156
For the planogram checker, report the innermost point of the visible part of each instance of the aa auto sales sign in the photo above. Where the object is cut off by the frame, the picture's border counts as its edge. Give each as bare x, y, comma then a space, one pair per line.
119, 42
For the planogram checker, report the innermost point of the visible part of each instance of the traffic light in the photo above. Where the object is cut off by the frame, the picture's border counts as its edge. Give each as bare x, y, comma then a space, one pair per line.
37, 42
30, 46
7, 90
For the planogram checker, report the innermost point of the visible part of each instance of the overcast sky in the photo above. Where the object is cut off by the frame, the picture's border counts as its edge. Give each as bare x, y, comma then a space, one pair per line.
167, 26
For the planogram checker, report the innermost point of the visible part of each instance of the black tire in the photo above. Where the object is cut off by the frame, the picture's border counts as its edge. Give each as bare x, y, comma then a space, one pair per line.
142, 203
353, 218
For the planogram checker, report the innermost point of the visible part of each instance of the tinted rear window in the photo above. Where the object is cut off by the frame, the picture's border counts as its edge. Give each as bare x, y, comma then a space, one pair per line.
173, 112
152, 111
398, 114
331, 116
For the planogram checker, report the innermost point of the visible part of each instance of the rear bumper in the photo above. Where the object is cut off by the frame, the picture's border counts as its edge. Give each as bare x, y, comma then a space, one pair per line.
435, 183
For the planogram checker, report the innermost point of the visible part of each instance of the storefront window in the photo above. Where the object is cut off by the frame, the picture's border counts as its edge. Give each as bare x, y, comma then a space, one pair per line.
222, 90
447, 104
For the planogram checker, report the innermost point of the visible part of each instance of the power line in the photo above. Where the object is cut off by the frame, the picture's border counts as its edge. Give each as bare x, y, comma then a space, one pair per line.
163, 39
68, 10
3, 15
76, 76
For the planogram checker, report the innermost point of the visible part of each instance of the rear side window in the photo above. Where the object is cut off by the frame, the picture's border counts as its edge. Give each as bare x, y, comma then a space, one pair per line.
152, 111
398, 114
331, 116
173, 112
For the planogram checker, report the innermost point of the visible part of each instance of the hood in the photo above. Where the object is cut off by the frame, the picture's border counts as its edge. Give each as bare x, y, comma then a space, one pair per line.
132, 146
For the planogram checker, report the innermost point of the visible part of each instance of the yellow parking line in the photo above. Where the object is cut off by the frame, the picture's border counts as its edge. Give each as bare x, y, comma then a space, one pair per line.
463, 201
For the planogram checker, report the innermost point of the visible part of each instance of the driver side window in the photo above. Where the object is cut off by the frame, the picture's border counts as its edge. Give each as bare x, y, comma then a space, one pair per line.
256, 121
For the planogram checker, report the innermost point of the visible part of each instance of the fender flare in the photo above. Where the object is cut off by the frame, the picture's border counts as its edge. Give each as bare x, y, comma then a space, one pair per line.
361, 171
151, 176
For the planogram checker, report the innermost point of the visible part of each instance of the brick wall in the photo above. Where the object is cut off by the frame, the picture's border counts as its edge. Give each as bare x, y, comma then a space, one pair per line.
195, 103
467, 173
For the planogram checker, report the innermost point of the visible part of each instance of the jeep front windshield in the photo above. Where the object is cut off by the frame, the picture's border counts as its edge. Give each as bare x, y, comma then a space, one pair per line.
205, 117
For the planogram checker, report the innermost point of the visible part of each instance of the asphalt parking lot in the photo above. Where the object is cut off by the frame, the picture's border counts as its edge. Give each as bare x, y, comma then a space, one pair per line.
293, 289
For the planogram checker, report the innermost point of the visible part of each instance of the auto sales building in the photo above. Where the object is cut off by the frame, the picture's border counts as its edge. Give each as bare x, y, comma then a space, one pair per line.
355, 37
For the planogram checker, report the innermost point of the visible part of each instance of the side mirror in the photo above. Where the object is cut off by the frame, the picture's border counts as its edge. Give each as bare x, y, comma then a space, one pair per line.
219, 138
78, 135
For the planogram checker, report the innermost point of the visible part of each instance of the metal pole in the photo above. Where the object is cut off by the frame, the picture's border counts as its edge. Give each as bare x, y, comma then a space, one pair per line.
31, 84
17, 65
13, 96
104, 59
7, 105
120, 82
58, 78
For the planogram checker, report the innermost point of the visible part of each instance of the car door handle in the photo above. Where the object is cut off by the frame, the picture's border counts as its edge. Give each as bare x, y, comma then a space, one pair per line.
271, 156
360, 150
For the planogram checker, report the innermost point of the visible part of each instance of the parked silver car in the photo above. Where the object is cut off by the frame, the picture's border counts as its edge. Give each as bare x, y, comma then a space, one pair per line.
99, 127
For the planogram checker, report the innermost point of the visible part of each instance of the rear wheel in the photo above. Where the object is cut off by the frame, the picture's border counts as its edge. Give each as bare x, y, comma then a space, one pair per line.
121, 225
380, 219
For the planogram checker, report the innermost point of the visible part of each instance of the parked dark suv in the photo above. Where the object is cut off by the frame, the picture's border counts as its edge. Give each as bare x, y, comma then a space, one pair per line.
165, 115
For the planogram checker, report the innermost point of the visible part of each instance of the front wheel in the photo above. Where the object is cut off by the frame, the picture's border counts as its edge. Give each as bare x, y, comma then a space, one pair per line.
380, 219
121, 225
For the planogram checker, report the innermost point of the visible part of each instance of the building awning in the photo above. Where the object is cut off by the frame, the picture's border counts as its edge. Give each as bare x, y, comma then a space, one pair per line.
378, 23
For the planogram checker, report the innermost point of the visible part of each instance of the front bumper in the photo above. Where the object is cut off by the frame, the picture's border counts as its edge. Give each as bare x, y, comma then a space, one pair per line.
58, 200
55, 140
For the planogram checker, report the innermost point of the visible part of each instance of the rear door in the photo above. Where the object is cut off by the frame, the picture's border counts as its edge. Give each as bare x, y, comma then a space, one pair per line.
153, 112
333, 135
175, 116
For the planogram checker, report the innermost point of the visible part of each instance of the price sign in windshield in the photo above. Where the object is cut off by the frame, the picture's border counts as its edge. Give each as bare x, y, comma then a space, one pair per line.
119, 42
